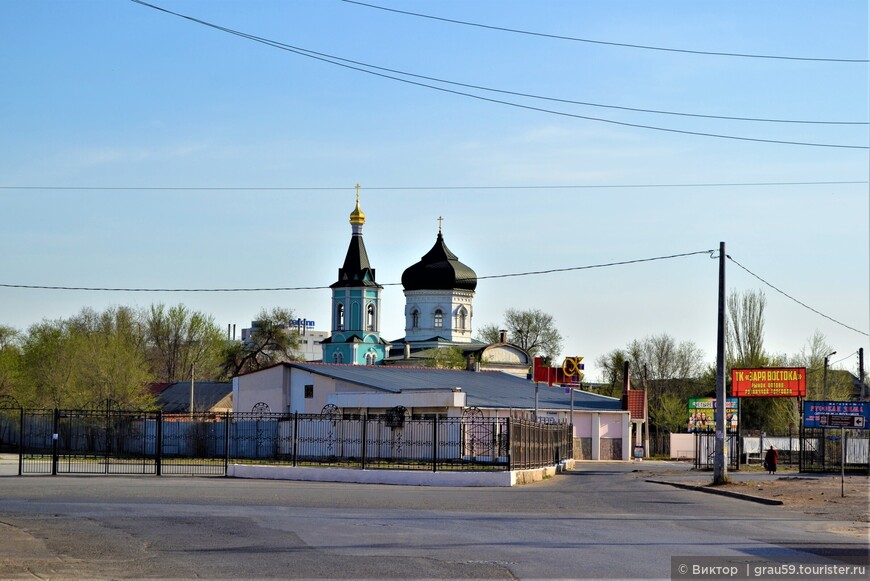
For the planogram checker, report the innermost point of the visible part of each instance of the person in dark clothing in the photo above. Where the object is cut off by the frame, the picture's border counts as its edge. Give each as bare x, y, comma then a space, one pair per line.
770, 460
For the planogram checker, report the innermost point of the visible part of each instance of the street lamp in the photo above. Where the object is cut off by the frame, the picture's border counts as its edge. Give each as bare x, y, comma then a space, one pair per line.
825, 377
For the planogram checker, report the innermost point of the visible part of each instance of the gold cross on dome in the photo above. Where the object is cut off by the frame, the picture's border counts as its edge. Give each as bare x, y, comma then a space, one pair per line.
357, 193
440, 219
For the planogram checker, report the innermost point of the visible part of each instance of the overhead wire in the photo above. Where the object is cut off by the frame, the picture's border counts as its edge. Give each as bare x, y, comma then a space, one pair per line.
323, 287
785, 294
602, 42
337, 62
430, 188
711, 253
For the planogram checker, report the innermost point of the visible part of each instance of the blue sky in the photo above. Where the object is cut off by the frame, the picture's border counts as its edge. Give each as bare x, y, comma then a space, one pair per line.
119, 96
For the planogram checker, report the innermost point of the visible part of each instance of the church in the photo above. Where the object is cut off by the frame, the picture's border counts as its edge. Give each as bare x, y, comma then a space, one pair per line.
439, 292
362, 374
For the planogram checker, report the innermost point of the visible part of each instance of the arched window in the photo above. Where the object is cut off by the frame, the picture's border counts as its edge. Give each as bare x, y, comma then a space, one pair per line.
337, 357
370, 358
439, 319
339, 317
415, 319
463, 318
370, 317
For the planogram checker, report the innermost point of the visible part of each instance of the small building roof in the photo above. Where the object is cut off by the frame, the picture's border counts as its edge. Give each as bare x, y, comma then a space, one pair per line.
206, 395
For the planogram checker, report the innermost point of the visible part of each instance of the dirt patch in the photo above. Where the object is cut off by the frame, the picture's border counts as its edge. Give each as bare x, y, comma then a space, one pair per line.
820, 496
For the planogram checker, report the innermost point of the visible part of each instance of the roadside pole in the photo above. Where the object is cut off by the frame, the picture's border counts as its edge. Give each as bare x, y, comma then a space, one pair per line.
719, 464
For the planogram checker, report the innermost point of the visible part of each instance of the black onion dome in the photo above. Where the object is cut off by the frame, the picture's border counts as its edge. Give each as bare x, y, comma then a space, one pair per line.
439, 269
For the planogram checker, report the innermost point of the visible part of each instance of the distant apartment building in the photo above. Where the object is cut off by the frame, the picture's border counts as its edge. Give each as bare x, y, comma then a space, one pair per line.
309, 339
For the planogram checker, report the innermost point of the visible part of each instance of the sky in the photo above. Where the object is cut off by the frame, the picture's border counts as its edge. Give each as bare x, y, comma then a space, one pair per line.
141, 149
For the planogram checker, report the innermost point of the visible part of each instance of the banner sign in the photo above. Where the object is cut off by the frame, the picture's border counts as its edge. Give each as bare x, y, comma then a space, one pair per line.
837, 414
702, 414
769, 382
571, 372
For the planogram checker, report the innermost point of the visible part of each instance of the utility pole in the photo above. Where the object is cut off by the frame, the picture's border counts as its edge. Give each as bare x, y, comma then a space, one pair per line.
861, 371
720, 466
825, 377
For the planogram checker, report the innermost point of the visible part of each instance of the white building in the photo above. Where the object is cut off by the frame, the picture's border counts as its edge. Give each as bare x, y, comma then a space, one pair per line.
601, 426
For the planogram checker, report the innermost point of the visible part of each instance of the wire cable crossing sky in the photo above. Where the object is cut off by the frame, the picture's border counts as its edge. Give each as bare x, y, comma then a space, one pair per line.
357, 66
144, 150
574, 39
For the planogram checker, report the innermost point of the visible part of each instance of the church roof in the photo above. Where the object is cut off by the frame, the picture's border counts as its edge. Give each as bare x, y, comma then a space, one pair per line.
356, 271
439, 269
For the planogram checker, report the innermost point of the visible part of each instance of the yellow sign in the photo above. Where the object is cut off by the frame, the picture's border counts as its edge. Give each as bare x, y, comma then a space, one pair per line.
572, 366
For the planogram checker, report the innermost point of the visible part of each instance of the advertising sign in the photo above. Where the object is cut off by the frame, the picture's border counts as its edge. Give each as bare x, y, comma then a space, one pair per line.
837, 414
769, 382
702, 414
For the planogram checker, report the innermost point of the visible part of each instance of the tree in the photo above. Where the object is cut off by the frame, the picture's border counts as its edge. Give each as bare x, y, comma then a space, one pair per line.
612, 367
180, 340
744, 334
447, 358
744, 340
489, 333
812, 356
10, 360
82, 361
670, 372
272, 340
532, 330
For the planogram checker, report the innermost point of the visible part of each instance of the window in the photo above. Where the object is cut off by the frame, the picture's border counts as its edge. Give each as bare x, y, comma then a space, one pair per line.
309, 391
370, 318
415, 319
337, 357
462, 318
439, 319
339, 317
370, 358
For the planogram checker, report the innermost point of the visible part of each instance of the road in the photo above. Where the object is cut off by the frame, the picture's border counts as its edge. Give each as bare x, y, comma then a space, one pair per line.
600, 521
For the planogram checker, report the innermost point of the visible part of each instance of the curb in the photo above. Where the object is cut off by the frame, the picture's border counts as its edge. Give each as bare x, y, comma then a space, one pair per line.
711, 490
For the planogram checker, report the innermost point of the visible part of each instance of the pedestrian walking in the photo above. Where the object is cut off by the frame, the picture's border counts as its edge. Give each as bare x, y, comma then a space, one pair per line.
771, 458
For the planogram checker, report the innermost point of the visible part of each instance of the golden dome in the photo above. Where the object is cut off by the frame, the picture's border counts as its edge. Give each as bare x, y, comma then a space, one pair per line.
357, 216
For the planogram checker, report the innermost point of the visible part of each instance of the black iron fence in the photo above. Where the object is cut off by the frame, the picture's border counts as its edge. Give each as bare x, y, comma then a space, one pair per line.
111, 441
834, 450
705, 451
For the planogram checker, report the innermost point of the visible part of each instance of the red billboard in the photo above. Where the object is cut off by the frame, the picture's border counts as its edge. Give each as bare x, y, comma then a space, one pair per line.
769, 382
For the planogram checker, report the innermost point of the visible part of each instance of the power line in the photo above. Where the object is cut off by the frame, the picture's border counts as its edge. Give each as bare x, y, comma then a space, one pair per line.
488, 277
334, 61
429, 188
567, 101
590, 41
843, 359
806, 306
302, 288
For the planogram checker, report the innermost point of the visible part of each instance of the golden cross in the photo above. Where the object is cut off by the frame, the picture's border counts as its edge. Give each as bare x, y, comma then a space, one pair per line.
357, 193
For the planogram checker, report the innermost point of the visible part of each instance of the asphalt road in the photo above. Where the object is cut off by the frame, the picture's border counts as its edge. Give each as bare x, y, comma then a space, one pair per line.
600, 521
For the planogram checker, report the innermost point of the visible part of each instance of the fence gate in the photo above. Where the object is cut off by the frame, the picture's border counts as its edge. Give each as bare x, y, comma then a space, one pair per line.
705, 451
88, 442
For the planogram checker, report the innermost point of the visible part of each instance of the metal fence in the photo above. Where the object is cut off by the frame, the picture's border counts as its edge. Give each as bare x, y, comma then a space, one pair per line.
705, 451
834, 450
112, 441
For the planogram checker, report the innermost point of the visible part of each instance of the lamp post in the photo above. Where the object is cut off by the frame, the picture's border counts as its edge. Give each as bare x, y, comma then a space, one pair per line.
825, 377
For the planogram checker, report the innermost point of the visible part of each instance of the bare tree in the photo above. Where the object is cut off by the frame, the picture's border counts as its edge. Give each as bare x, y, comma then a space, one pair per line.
180, 340
744, 336
532, 330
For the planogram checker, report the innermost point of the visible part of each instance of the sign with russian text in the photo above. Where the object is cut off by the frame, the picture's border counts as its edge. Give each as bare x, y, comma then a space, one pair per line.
702, 414
837, 414
769, 382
